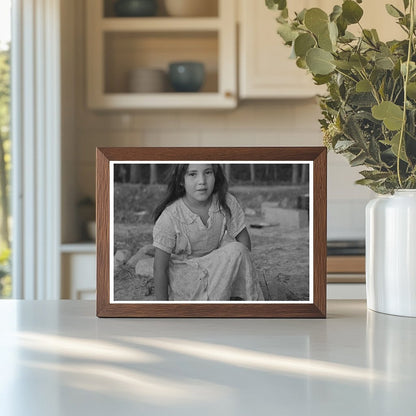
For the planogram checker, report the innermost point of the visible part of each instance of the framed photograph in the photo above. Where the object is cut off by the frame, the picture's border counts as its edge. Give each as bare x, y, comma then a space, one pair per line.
211, 232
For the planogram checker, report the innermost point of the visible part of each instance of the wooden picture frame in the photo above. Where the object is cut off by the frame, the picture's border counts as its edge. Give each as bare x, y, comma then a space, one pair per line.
313, 306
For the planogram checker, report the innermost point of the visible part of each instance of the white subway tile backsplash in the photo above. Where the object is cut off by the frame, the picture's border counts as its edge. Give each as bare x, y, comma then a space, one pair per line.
346, 219
166, 138
341, 180
156, 119
206, 119
243, 117
280, 137
230, 138
99, 120
306, 114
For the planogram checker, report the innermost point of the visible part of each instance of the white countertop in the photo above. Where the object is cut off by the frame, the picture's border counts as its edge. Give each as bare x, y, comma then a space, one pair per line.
57, 358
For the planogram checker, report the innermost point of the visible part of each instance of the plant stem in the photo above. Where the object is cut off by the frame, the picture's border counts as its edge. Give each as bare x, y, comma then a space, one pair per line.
346, 75
373, 88
405, 81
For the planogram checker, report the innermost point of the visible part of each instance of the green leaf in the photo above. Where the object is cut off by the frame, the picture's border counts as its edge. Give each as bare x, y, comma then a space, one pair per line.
382, 89
374, 174
301, 63
336, 12
394, 143
325, 42
351, 11
374, 150
281, 19
276, 4
354, 132
321, 79
343, 145
342, 25
396, 70
362, 99
368, 36
393, 11
365, 182
287, 33
384, 62
301, 15
333, 32
406, 4
345, 65
303, 43
412, 67
411, 90
316, 20
363, 86
391, 114
358, 61
359, 160
375, 35
347, 37
319, 61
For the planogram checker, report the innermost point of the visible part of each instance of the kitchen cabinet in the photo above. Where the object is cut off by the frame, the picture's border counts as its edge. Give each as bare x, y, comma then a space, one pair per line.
118, 45
265, 70
346, 277
78, 262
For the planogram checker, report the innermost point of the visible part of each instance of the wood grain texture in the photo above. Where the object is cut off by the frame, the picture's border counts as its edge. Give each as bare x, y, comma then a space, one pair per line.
103, 234
346, 264
317, 309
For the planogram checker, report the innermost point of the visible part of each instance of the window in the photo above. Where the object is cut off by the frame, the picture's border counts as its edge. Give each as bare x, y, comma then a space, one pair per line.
5, 147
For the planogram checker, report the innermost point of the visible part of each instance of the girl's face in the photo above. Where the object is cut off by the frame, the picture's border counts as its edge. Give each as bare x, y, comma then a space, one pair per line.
199, 182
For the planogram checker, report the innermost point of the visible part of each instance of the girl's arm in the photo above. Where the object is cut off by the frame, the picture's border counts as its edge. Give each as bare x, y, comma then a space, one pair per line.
161, 274
244, 238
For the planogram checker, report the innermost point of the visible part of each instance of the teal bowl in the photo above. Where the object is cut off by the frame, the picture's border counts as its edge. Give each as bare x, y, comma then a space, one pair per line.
135, 8
186, 76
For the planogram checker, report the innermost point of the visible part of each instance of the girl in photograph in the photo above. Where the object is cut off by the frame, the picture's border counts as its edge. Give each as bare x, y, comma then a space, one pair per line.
202, 246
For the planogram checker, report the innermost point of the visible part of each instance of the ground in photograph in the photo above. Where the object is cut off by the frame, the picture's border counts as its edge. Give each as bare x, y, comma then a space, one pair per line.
280, 252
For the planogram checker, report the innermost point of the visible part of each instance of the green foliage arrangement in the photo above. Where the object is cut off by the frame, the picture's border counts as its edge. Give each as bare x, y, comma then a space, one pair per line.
369, 112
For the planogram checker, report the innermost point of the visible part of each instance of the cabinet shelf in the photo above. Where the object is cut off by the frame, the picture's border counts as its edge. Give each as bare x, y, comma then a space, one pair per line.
160, 24
117, 46
196, 100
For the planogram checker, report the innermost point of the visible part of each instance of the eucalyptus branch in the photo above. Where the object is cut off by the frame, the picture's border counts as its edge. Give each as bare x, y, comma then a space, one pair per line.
397, 95
364, 75
392, 91
406, 79
346, 75
364, 61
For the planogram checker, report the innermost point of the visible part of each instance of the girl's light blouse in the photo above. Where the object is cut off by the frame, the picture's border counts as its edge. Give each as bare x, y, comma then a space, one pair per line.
180, 232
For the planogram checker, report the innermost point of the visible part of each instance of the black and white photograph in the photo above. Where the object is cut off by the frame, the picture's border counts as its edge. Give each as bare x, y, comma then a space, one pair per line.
211, 232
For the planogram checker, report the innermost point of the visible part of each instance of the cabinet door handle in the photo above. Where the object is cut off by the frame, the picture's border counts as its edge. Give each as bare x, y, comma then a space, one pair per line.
229, 94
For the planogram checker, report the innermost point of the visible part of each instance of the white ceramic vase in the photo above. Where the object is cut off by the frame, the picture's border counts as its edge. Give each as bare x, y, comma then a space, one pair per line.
391, 253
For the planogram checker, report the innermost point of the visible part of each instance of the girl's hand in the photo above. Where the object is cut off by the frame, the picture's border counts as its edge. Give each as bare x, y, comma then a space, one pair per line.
244, 238
161, 274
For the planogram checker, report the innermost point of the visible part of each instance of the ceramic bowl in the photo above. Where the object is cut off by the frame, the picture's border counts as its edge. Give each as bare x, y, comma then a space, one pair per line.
191, 8
186, 76
147, 80
135, 8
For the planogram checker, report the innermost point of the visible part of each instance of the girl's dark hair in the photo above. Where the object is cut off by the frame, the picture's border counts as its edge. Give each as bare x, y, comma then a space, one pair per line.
176, 188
